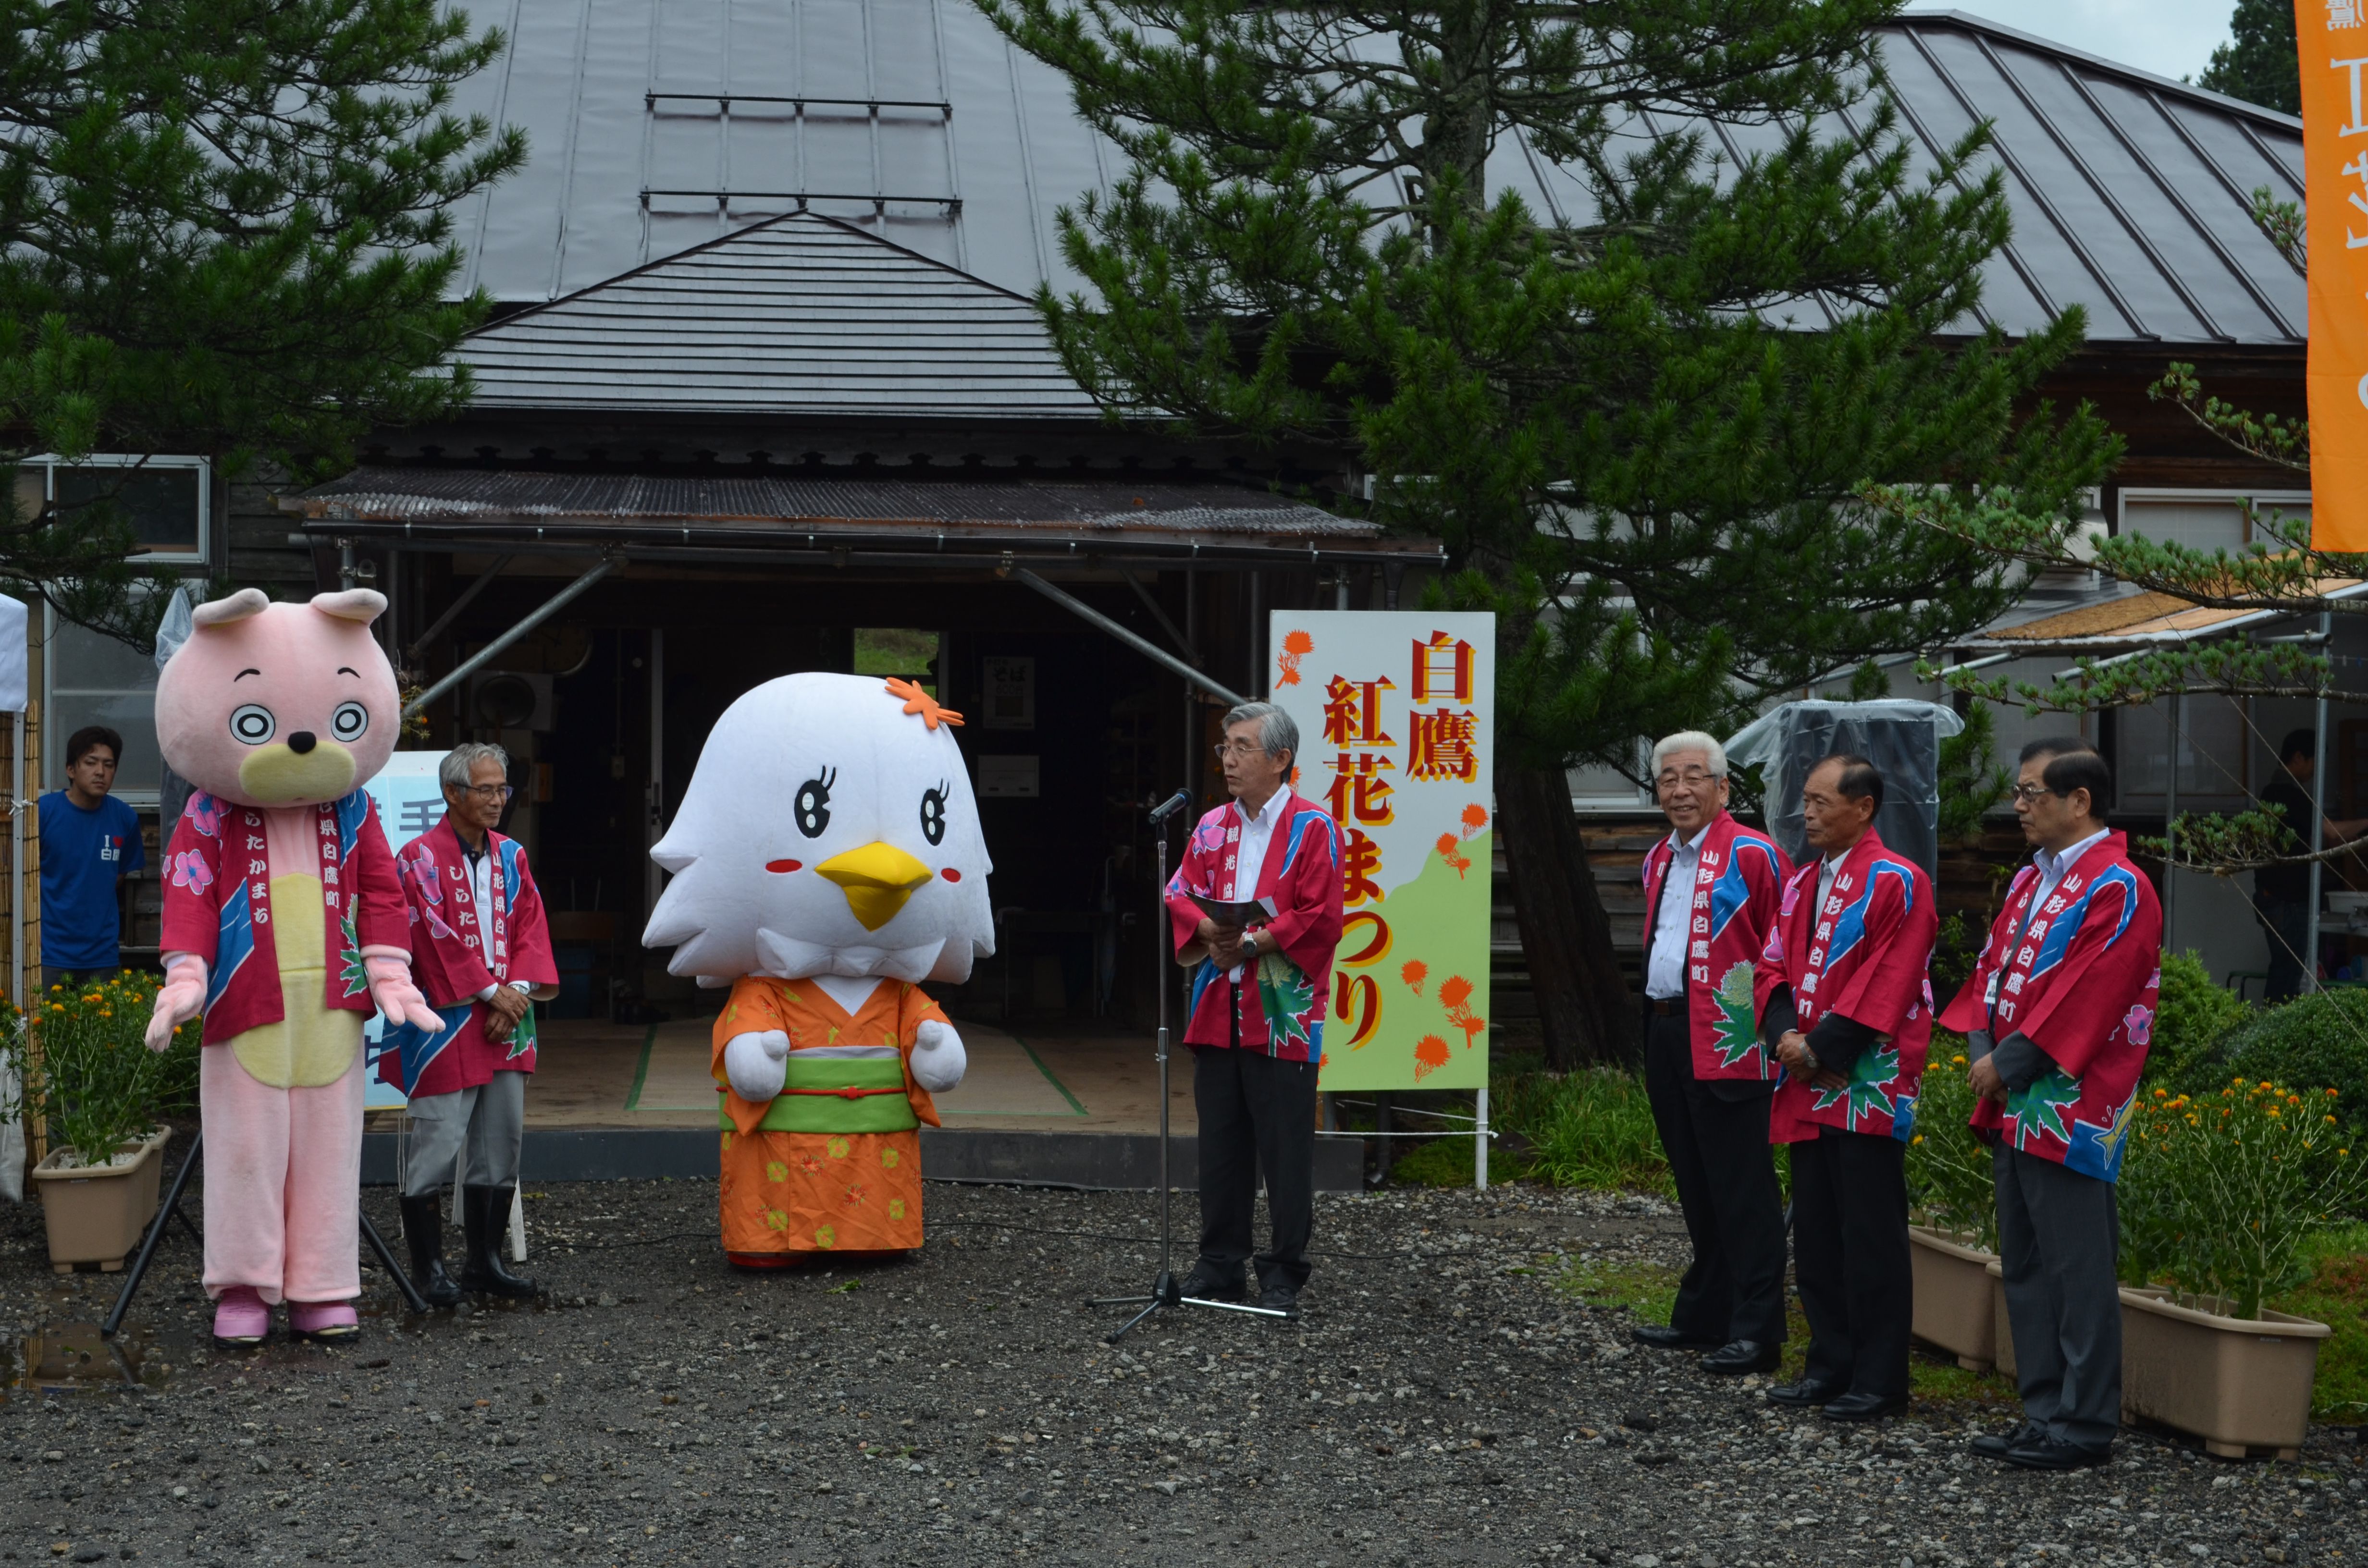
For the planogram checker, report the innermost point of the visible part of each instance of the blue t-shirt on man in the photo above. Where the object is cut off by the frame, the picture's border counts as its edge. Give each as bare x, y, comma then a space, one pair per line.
83, 852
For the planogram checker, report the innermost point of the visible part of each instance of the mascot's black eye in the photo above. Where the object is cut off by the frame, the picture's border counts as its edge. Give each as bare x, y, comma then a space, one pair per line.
813, 802
349, 721
252, 723
933, 815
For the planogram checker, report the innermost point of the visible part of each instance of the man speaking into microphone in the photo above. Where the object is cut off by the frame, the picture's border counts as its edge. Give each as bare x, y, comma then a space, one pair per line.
1255, 910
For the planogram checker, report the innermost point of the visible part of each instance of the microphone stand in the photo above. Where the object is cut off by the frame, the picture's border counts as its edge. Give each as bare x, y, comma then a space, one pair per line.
1166, 1290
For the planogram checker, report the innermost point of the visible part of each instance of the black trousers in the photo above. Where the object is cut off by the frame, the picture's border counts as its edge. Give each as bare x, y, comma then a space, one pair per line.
1716, 1135
1849, 1259
1258, 1113
2059, 1237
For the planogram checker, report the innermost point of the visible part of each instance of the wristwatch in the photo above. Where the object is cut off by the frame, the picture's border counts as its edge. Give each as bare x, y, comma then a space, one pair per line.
1250, 944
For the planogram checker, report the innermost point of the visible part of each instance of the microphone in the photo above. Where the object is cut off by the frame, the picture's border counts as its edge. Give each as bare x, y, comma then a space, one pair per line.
1170, 806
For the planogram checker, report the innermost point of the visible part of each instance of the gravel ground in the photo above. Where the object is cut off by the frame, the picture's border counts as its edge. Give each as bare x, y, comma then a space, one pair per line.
1444, 1401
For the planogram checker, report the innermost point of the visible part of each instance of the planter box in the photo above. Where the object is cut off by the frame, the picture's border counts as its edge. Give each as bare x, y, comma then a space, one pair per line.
98, 1215
2001, 1331
2240, 1384
2237, 1384
1955, 1303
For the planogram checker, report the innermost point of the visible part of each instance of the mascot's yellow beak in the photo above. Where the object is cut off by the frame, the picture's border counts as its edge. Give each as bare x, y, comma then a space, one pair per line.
278, 775
877, 879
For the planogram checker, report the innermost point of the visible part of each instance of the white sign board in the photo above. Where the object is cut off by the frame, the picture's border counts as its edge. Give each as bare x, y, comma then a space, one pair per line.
1397, 719
409, 802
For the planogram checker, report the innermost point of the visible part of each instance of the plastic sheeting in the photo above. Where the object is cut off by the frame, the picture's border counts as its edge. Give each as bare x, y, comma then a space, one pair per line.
1902, 737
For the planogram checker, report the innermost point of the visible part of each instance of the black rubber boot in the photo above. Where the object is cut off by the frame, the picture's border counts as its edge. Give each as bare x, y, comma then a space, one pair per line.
487, 1217
423, 1227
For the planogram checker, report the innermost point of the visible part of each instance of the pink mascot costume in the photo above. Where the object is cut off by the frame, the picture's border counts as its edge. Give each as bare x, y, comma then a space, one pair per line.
284, 924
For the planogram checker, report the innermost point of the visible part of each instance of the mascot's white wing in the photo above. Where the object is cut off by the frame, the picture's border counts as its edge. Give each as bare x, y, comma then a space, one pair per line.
827, 830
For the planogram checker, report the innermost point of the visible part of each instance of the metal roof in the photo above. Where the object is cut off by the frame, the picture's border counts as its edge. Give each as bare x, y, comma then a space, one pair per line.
657, 125
801, 314
955, 516
2131, 193
716, 239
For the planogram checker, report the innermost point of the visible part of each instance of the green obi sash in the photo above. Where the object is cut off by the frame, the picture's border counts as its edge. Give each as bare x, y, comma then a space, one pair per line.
815, 1097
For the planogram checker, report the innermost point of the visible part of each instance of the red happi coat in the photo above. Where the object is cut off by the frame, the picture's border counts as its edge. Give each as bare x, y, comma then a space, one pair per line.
218, 906
1300, 882
1863, 955
2078, 977
458, 951
1739, 883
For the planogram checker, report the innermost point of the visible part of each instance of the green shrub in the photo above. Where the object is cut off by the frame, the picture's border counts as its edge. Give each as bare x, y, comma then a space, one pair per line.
1589, 1128
2319, 1041
1949, 1182
2192, 1018
1447, 1162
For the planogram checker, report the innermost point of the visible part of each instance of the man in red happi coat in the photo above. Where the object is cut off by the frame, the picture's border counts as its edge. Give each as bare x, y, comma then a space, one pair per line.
1258, 994
2057, 1018
1850, 1015
1711, 894
482, 953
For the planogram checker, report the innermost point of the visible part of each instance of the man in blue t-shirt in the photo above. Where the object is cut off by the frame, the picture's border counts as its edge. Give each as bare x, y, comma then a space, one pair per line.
90, 840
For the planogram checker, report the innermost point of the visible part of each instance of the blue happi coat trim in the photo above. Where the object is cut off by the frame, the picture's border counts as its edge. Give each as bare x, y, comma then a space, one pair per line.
509, 847
233, 944
1731, 892
415, 1049
2076, 915
1851, 928
351, 810
1299, 826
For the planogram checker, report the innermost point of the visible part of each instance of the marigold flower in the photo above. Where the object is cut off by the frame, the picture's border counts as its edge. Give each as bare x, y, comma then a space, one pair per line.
1959, 1059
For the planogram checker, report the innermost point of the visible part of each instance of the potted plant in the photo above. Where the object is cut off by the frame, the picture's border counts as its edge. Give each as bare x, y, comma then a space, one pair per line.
2218, 1193
1955, 1205
88, 1083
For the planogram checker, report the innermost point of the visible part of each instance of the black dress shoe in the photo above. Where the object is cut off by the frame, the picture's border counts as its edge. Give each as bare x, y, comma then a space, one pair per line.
1805, 1393
1280, 1298
1662, 1337
2048, 1454
1994, 1445
1208, 1283
1864, 1406
1743, 1356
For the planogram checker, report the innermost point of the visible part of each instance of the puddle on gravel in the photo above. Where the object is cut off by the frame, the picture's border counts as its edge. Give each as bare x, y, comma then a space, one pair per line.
74, 1357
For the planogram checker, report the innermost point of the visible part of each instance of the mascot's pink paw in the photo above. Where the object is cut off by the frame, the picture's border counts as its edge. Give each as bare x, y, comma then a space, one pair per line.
240, 1317
323, 1319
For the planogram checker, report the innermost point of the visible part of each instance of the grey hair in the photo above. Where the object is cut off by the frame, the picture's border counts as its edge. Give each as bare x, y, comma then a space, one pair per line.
1692, 740
1277, 733
453, 771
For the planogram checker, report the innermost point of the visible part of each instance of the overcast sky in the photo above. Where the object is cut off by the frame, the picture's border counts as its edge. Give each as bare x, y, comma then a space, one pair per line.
2172, 38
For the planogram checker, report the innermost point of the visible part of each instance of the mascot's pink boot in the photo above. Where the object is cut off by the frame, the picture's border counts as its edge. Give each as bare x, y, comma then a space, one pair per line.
323, 1319
240, 1317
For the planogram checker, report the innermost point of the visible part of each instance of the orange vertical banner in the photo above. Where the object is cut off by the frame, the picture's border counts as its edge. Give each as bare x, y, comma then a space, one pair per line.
2333, 41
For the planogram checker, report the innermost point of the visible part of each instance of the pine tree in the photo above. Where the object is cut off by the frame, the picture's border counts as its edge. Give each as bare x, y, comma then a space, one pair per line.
224, 229
1640, 427
2259, 63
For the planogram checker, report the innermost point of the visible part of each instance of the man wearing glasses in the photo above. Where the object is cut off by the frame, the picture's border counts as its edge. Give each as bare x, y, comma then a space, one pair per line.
1254, 910
2058, 1016
1713, 890
481, 951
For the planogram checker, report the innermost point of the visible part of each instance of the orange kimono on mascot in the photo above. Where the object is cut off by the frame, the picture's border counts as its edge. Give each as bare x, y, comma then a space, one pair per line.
826, 861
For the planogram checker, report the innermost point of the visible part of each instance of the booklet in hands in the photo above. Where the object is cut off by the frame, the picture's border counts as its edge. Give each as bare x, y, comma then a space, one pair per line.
1235, 915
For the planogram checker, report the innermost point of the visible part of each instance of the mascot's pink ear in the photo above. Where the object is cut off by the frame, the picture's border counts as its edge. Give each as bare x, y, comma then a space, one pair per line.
238, 607
364, 605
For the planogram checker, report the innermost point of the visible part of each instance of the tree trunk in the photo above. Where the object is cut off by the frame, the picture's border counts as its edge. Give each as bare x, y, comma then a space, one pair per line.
1583, 1000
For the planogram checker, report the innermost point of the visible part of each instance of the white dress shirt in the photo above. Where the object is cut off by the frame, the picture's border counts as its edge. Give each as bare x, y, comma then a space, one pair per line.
1664, 966
1827, 869
1249, 852
2053, 867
